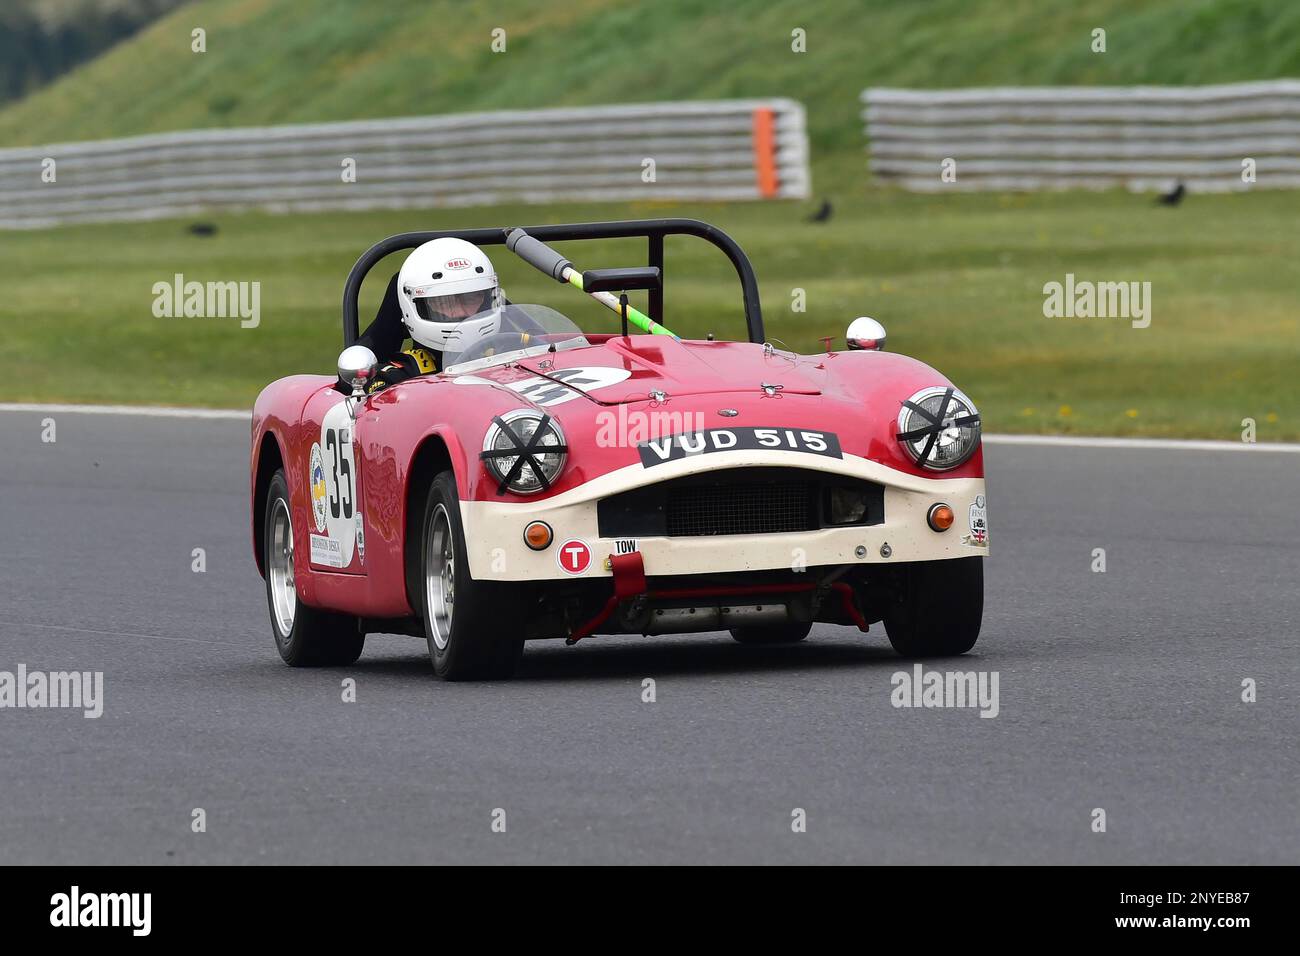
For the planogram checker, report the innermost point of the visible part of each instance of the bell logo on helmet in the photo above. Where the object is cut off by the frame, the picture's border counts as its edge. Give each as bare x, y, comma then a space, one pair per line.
457, 264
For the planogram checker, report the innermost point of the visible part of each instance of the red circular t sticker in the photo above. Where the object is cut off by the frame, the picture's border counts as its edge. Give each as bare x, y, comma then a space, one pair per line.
574, 556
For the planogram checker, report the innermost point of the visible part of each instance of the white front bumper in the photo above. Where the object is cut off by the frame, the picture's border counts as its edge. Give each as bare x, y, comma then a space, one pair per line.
494, 531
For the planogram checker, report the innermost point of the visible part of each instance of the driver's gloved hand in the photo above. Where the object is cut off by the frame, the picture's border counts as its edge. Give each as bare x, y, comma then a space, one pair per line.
409, 364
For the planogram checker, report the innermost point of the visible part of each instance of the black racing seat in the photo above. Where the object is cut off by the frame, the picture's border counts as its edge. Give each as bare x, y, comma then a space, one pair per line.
385, 335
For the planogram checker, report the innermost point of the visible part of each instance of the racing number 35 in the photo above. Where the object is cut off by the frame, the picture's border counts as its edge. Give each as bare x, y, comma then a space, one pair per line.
338, 445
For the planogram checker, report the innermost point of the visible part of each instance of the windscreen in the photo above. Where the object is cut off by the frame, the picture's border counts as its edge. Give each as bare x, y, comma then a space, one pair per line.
508, 333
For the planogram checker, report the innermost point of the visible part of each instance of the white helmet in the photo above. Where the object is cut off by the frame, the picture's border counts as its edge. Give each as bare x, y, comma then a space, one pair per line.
443, 283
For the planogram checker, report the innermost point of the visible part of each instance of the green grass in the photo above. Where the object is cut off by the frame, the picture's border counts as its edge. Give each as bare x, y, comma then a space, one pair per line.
957, 280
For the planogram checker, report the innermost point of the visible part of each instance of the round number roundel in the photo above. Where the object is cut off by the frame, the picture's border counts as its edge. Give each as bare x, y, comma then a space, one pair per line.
340, 501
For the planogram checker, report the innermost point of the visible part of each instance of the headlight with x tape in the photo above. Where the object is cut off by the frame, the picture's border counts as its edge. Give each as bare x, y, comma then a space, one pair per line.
524, 450
939, 427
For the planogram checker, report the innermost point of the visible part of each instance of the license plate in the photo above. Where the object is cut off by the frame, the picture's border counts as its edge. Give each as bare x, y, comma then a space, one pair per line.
660, 451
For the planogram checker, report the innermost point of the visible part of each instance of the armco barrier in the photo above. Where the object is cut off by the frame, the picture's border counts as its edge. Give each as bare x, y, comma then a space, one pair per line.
721, 150
1143, 137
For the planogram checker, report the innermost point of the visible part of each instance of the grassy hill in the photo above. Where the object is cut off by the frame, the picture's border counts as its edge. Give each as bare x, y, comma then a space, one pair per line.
272, 61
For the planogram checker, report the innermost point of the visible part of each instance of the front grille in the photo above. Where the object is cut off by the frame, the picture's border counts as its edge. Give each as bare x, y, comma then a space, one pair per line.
740, 509
741, 501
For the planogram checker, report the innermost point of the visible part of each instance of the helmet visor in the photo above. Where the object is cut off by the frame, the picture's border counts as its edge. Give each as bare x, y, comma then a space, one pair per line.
453, 308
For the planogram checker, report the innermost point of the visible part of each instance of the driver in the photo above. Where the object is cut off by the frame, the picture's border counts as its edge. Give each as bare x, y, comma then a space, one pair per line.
449, 298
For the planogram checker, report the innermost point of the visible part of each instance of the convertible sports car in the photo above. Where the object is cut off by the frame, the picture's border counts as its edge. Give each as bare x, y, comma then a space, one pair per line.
551, 483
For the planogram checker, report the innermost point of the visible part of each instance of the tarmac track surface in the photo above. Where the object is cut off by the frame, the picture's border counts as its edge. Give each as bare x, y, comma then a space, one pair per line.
1118, 690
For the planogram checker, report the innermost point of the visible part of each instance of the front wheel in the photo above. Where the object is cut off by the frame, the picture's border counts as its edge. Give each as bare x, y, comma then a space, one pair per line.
474, 628
938, 609
304, 636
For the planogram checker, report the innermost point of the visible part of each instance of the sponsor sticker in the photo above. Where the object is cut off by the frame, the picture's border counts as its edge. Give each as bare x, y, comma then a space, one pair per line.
574, 556
979, 524
457, 263
676, 447
317, 477
326, 551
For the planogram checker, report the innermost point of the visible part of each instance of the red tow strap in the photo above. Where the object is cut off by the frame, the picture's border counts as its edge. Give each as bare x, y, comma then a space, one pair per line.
629, 574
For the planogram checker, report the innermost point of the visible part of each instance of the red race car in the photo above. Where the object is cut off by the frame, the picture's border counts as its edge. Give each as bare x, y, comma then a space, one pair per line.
551, 483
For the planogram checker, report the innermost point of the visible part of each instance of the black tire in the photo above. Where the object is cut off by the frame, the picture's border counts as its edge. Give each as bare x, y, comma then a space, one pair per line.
938, 609
791, 633
314, 638
481, 637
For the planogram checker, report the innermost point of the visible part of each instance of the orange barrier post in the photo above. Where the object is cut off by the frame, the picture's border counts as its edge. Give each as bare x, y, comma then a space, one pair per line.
765, 153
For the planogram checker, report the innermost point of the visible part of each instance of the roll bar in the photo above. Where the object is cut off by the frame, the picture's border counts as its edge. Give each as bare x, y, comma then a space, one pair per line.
653, 230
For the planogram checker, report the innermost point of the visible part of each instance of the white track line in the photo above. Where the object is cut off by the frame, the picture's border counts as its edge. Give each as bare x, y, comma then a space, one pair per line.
143, 411
1157, 444
1066, 441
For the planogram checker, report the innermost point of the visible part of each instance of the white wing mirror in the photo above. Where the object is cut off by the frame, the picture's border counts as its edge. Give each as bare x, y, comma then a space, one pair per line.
357, 365
865, 333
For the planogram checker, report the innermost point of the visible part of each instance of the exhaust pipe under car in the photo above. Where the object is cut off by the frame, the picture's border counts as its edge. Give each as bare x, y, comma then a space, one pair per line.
680, 620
